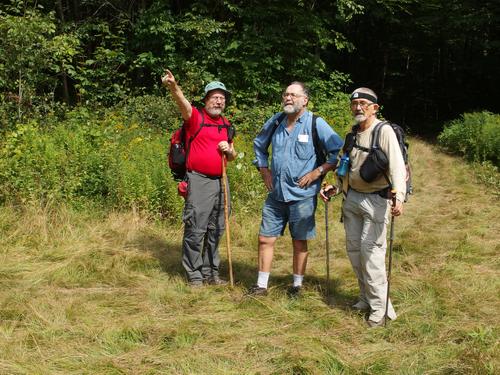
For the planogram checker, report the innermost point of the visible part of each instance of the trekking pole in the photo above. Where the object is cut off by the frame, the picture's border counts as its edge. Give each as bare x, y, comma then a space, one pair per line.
327, 241
327, 247
391, 240
226, 219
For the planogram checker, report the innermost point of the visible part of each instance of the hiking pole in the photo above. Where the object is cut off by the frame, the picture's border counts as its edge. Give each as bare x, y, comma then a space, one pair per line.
327, 247
327, 241
391, 240
226, 219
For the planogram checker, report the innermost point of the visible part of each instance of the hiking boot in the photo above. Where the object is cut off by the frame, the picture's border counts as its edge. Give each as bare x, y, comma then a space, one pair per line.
294, 291
373, 324
361, 306
215, 280
195, 283
256, 290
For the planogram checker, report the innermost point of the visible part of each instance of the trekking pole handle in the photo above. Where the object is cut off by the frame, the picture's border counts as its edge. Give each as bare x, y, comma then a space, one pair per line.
328, 193
393, 198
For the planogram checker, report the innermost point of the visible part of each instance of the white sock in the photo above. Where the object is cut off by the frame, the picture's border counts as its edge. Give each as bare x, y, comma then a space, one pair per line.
263, 279
297, 280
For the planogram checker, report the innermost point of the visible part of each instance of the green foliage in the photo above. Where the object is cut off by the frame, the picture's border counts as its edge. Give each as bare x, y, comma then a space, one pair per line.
245, 179
104, 159
329, 101
158, 112
264, 46
102, 75
25, 45
117, 157
476, 136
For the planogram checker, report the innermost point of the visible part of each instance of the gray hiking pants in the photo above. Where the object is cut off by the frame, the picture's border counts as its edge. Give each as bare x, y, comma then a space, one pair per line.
203, 218
365, 222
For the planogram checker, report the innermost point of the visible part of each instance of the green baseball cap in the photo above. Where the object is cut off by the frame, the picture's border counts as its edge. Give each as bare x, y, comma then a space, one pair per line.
216, 85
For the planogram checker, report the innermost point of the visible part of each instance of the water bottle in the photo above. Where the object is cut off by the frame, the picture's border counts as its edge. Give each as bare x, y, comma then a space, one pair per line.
343, 165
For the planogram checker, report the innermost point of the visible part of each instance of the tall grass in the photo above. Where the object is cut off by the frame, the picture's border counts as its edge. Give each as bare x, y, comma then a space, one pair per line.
100, 292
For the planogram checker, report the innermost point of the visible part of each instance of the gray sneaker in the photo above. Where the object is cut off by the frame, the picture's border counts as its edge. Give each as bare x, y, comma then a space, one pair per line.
373, 324
195, 283
215, 280
256, 291
361, 306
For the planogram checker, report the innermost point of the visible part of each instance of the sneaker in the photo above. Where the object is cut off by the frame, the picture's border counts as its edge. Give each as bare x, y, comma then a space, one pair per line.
373, 324
294, 291
256, 290
361, 306
215, 280
195, 283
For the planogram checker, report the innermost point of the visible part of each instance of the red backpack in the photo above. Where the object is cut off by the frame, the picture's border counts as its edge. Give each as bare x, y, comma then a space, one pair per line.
179, 147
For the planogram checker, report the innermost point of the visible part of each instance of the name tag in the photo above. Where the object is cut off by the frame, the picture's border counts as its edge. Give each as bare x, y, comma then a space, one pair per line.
303, 138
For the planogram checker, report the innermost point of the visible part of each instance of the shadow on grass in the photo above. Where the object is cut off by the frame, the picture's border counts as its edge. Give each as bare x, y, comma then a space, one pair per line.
334, 296
169, 254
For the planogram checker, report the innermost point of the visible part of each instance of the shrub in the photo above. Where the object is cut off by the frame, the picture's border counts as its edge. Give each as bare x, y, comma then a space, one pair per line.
476, 136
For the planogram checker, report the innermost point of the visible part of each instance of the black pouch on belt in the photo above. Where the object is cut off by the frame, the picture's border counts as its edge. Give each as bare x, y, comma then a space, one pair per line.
375, 164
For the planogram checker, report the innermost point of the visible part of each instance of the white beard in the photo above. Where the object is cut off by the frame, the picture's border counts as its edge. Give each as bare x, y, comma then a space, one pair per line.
359, 118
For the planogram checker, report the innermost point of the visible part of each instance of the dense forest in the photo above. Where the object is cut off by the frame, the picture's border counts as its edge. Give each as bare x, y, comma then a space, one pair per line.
429, 60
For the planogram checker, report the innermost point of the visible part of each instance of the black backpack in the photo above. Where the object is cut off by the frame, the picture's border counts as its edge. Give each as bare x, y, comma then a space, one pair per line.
376, 162
321, 154
179, 146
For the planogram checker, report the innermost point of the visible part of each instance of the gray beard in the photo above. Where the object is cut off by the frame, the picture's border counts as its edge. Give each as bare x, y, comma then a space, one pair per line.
290, 109
214, 112
359, 118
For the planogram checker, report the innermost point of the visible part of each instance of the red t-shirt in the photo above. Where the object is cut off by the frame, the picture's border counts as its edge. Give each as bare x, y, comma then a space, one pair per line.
204, 155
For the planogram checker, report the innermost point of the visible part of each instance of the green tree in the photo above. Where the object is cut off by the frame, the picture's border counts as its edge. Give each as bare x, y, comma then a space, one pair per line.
24, 50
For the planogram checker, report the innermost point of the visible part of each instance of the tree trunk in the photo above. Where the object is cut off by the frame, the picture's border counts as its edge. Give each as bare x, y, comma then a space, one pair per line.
60, 10
64, 78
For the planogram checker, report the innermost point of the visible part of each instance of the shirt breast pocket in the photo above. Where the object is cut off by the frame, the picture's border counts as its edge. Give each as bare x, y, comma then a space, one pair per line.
303, 150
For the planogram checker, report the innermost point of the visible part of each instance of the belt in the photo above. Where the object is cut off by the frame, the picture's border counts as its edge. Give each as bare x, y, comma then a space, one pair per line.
205, 175
384, 193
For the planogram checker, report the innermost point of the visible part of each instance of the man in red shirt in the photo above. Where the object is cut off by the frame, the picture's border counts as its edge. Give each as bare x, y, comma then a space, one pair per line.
203, 214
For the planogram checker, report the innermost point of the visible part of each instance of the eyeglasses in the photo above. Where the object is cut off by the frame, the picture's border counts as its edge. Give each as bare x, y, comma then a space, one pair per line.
363, 105
215, 98
291, 94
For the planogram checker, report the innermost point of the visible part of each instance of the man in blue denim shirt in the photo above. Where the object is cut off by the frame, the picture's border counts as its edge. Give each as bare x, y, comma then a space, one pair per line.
293, 181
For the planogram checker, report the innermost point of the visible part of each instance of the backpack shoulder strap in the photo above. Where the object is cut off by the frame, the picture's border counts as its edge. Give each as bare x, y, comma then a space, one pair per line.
231, 130
350, 140
320, 152
276, 123
202, 124
375, 143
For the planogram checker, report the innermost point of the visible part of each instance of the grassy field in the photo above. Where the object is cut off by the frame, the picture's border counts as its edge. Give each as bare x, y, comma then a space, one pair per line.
88, 293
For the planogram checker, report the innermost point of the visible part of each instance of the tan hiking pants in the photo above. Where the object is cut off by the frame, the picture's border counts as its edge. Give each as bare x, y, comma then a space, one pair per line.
365, 222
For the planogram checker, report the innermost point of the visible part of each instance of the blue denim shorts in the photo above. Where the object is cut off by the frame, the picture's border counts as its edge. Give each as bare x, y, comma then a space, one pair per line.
298, 214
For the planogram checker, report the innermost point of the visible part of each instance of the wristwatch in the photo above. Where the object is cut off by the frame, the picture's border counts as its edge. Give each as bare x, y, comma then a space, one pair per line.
321, 170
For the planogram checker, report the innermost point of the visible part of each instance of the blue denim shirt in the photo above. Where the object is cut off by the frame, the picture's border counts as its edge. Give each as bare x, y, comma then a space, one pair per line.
293, 154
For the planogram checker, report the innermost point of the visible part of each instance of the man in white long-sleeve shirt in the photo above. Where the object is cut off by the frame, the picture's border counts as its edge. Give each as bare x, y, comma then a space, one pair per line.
366, 207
